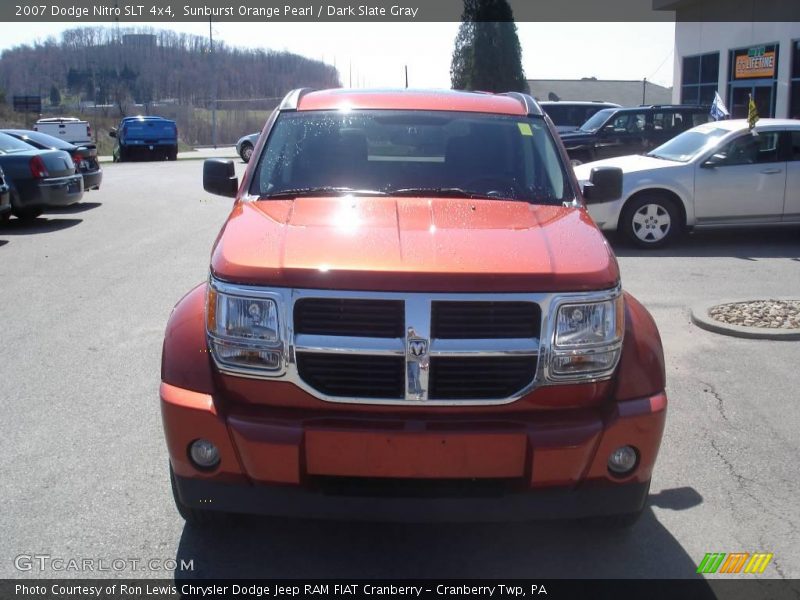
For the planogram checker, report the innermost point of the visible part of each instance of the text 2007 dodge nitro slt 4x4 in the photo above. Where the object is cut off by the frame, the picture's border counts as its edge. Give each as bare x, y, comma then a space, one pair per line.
410, 316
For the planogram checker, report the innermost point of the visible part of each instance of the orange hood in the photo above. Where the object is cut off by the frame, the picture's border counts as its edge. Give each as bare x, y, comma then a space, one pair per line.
413, 244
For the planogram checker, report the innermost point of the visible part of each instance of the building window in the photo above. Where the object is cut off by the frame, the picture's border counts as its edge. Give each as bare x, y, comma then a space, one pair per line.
753, 73
700, 78
794, 84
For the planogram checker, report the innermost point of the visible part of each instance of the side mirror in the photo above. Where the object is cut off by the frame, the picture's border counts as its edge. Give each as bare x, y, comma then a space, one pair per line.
605, 184
219, 177
112, 132
713, 161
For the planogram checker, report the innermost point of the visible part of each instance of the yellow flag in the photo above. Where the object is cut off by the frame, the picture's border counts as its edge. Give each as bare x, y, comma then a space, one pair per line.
752, 113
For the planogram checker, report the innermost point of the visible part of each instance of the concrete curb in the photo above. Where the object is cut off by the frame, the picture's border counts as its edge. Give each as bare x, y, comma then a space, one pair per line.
701, 318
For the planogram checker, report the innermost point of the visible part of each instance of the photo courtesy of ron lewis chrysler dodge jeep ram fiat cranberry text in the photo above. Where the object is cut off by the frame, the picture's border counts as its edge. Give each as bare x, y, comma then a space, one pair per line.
411, 316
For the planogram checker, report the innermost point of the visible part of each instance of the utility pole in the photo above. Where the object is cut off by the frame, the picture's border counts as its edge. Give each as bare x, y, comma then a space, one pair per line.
350, 74
644, 89
213, 85
406, 66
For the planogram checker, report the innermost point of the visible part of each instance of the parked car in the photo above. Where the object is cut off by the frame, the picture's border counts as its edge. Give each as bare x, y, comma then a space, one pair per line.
621, 131
84, 157
5, 198
145, 137
38, 178
719, 174
68, 129
410, 315
245, 145
569, 115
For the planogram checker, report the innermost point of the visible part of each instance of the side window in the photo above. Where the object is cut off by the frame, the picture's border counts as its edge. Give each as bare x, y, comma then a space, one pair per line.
750, 149
794, 150
699, 119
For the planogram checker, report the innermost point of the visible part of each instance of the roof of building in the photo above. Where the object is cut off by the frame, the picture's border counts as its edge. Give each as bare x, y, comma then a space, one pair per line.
737, 124
412, 99
620, 91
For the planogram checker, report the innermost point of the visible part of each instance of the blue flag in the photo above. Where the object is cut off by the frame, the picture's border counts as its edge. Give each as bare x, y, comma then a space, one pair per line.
718, 110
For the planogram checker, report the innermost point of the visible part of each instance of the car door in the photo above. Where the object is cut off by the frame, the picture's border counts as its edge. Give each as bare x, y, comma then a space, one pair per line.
791, 201
741, 181
623, 134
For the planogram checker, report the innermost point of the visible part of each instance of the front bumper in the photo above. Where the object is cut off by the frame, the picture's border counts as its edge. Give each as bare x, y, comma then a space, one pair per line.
588, 500
503, 466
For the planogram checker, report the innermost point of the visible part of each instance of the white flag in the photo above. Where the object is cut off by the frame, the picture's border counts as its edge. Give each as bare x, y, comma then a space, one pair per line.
718, 110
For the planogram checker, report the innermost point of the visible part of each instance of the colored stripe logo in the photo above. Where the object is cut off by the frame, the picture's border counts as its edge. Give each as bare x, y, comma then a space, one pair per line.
735, 562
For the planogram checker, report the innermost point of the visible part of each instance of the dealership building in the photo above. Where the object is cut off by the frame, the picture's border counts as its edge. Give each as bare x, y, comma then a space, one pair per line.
736, 59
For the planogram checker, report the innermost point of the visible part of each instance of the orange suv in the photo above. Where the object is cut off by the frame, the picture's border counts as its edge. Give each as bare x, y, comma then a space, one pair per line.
410, 315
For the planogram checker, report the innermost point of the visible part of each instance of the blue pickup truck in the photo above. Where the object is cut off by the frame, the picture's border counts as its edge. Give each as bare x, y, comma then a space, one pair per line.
140, 137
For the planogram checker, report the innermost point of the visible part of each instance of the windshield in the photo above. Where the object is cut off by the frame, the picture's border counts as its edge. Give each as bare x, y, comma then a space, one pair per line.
570, 115
411, 153
12, 144
596, 121
689, 144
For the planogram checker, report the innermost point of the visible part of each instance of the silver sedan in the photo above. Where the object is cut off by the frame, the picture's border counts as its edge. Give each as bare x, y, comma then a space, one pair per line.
719, 174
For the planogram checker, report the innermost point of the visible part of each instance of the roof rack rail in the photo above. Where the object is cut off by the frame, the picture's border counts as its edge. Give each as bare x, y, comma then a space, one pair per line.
292, 99
531, 106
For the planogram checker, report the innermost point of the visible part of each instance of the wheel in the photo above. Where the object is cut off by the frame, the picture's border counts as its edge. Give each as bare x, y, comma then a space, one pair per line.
196, 516
173, 154
123, 155
247, 151
23, 213
4, 218
651, 220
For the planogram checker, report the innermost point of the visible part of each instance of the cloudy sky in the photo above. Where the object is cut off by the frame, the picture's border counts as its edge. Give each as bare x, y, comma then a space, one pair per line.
375, 54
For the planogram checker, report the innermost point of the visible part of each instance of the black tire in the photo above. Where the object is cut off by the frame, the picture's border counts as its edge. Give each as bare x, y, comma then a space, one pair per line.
247, 152
4, 218
173, 154
651, 220
124, 155
196, 516
23, 213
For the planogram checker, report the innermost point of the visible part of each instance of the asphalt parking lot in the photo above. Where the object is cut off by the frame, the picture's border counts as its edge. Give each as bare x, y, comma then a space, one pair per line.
85, 294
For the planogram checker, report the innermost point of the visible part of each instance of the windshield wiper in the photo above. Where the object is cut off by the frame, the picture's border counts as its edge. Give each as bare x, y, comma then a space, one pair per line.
444, 192
321, 191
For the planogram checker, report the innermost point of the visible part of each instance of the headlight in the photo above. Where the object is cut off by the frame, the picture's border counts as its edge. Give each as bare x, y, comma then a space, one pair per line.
587, 339
243, 330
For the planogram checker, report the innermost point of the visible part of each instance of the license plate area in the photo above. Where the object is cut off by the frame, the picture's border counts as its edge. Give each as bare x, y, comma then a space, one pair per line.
415, 455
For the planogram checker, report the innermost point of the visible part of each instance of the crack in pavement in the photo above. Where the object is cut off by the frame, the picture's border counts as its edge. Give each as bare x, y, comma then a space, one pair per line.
711, 389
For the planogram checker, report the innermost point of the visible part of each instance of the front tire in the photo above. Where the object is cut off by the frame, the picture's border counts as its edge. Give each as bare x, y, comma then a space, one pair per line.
195, 516
651, 220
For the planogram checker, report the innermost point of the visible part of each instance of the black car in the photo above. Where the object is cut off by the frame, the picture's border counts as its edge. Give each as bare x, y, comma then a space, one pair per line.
5, 198
38, 178
84, 157
622, 131
568, 115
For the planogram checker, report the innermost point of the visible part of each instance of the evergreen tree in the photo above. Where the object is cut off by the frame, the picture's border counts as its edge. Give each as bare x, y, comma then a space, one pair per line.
487, 54
55, 96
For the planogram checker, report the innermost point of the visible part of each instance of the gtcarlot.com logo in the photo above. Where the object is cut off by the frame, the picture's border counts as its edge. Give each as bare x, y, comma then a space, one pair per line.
47, 562
735, 562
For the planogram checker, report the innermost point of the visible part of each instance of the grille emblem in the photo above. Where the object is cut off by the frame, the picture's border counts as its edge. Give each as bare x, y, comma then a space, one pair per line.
416, 366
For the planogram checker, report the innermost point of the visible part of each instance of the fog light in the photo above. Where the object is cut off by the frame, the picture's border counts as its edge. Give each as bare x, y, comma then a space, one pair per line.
204, 454
623, 460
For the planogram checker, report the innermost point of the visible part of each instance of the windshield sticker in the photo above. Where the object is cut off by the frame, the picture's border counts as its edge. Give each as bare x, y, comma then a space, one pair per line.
525, 128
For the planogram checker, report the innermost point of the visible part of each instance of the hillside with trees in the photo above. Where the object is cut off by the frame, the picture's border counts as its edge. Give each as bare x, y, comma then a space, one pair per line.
142, 70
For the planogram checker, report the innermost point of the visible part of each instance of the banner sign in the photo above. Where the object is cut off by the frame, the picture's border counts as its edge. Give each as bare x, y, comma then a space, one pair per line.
756, 62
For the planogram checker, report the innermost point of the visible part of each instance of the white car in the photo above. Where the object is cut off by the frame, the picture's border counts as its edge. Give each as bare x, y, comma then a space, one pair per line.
245, 145
719, 174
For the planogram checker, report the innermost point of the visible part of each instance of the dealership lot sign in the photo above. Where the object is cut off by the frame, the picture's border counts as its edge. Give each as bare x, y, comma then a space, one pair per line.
755, 63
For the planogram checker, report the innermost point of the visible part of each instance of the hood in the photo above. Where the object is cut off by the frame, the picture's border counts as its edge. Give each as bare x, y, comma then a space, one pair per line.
633, 163
413, 244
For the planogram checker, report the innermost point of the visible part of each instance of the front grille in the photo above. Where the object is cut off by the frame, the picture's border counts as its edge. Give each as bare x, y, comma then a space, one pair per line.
485, 320
349, 317
354, 376
408, 348
473, 378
